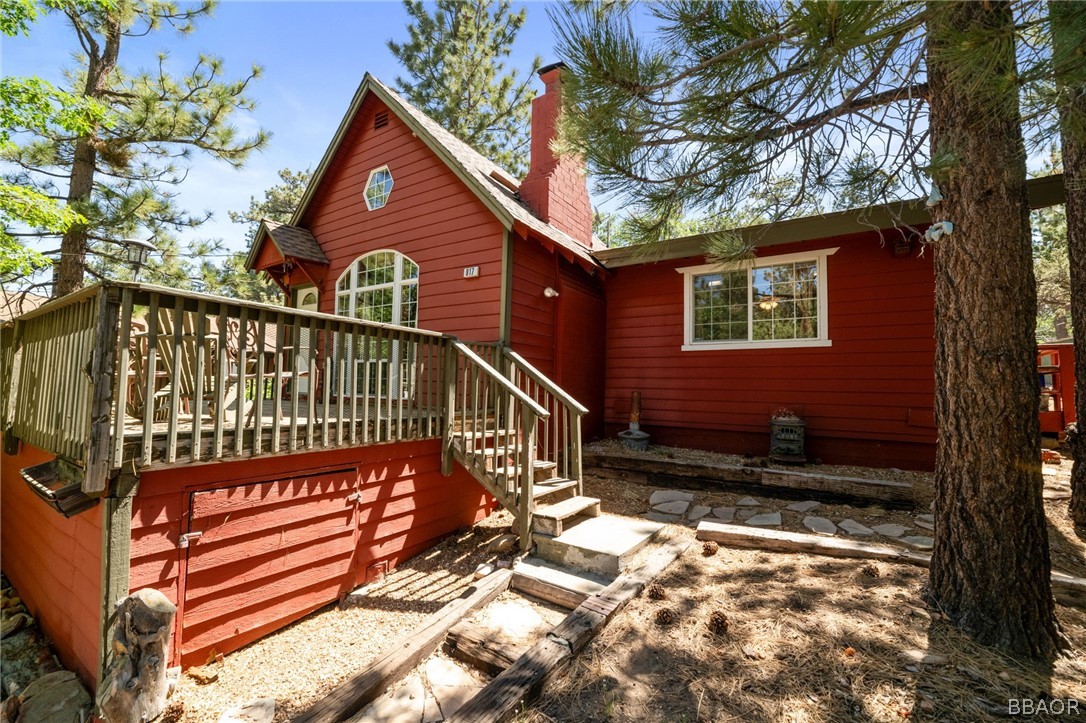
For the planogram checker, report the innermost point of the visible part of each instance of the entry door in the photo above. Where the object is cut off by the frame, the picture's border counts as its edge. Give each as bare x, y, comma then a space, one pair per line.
306, 300
261, 555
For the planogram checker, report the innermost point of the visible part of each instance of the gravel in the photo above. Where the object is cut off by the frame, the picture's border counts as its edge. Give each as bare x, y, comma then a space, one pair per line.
306, 660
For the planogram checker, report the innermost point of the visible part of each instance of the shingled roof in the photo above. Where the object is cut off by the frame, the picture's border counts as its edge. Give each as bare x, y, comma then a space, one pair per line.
291, 241
490, 183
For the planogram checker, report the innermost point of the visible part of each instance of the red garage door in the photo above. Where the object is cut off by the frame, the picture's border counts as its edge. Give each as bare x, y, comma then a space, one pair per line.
261, 555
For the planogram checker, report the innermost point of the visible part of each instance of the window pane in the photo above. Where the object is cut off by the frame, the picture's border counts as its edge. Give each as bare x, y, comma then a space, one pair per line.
409, 306
375, 305
378, 189
720, 308
786, 301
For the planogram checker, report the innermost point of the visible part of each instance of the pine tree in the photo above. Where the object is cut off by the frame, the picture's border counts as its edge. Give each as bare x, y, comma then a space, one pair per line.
120, 176
32, 104
455, 63
863, 101
231, 278
1068, 22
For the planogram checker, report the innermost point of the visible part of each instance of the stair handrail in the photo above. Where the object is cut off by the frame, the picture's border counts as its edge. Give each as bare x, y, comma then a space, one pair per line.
500, 379
566, 426
539, 378
522, 415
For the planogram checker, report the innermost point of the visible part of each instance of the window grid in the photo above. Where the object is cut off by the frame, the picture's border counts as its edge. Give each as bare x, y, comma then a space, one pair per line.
378, 188
772, 302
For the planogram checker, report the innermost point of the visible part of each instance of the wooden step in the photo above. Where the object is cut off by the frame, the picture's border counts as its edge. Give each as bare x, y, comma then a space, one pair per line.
550, 486
542, 471
603, 545
554, 518
544, 580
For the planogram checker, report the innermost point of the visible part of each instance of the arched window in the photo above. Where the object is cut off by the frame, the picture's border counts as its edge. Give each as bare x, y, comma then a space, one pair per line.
382, 286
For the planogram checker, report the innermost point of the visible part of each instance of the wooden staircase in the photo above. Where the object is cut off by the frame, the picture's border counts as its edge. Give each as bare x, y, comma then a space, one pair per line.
519, 435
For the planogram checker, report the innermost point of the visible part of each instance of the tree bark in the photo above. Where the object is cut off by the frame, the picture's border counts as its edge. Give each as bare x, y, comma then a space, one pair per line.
101, 63
990, 563
135, 685
1073, 144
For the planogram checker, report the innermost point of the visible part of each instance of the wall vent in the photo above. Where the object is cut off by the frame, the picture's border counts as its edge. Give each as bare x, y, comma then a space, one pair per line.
380, 120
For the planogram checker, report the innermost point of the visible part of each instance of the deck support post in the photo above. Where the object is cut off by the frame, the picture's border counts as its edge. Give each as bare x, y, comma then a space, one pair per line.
527, 480
116, 561
450, 407
99, 450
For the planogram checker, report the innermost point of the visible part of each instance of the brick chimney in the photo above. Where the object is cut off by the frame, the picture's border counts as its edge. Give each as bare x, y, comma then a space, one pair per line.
555, 188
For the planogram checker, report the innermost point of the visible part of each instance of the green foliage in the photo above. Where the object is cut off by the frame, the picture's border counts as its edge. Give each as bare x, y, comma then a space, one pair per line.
32, 104
279, 204
729, 97
456, 72
116, 146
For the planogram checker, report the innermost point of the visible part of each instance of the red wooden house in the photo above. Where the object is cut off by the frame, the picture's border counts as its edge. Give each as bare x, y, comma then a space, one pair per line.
449, 334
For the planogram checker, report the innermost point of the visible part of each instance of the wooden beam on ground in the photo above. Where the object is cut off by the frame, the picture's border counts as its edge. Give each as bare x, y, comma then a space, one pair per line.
481, 648
1066, 589
699, 475
505, 696
363, 688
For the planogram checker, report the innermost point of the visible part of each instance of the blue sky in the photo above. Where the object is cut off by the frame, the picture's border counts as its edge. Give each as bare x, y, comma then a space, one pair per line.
314, 55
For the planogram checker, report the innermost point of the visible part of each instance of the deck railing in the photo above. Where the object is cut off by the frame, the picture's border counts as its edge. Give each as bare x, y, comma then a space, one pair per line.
135, 376
559, 431
120, 375
496, 425
48, 375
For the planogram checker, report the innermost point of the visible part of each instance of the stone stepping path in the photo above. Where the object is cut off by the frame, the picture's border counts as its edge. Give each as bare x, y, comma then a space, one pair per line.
854, 528
677, 507
821, 525
768, 519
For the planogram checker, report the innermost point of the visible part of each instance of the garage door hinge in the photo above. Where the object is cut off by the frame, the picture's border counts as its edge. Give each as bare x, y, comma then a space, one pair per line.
188, 537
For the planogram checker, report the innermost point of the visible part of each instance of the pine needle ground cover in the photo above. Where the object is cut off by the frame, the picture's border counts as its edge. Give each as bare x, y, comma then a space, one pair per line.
760, 636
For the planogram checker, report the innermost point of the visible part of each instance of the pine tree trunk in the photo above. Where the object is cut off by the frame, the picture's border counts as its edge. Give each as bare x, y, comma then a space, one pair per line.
73, 248
1073, 142
101, 63
990, 564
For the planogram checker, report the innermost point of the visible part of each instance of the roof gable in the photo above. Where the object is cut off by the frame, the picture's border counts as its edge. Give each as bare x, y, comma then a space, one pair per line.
491, 184
289, 241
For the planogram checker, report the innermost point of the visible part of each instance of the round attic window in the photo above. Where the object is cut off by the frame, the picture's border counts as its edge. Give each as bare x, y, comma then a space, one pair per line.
378, 188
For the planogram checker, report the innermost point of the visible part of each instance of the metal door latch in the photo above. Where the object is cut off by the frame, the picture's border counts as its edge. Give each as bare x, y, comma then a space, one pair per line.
188, 537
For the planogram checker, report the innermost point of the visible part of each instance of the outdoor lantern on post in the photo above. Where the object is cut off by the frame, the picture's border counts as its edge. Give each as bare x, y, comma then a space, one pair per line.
137, 253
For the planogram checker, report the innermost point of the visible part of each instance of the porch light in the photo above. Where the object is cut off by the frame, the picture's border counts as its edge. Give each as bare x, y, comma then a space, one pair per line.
768, 304
137, 252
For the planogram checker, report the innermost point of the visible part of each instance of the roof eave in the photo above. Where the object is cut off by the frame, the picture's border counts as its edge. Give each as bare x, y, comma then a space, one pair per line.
1043, 192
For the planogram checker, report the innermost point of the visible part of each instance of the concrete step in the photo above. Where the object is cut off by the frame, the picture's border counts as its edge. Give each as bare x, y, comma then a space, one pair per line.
555, 488
603, 545
554, 584
554, 518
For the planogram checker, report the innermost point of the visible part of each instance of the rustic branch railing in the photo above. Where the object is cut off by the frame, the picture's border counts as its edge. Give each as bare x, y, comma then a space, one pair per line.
497, 425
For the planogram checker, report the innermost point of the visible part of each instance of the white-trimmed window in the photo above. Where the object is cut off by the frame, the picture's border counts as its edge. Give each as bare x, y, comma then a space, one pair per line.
770, 302
378, 188
382, 286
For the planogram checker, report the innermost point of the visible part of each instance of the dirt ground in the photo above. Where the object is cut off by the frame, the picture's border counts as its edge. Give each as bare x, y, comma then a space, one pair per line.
303, 662
807, 638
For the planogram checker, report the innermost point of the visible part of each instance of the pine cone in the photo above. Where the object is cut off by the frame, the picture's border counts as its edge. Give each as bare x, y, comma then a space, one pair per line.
665, 616
709, 548
718, 623
656, 592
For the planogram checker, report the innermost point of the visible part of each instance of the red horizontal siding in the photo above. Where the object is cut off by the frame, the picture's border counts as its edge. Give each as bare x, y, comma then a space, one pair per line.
856, 395
54, 563
280, 536
431, 217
